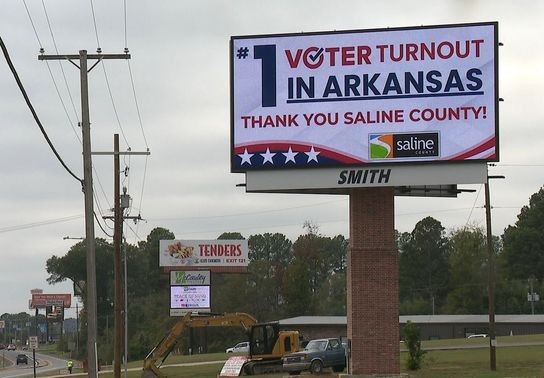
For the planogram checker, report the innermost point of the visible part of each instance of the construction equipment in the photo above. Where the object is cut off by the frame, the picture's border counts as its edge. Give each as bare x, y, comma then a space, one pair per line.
267, 343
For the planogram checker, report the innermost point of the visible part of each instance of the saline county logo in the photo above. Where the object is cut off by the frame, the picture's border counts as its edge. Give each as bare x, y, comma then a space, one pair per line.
413, 145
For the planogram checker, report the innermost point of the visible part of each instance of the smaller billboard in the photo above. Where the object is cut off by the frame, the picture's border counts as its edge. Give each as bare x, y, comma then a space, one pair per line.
190, 278
54, 313
189, 298
203, 253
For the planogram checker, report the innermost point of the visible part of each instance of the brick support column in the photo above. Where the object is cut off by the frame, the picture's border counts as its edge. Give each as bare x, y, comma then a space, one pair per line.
373, 284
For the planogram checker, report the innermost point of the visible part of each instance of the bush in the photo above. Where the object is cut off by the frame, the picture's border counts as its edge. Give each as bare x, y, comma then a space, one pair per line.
412, 341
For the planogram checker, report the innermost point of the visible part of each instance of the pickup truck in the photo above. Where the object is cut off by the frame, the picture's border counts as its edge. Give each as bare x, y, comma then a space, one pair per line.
316, 356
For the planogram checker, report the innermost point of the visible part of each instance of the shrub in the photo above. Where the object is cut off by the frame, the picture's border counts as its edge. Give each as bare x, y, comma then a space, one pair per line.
412, 341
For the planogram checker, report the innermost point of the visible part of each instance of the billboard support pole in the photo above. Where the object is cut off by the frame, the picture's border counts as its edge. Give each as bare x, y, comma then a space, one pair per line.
373, 283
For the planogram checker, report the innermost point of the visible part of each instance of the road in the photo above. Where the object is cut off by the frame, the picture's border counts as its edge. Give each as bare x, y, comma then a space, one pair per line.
45, 364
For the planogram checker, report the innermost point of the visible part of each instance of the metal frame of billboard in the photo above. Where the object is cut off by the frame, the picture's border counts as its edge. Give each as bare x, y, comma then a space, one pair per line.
486, 151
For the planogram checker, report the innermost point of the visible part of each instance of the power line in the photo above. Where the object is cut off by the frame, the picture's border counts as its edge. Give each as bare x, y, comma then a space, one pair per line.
473, 205
95, 28
60, 62
39, 224
36, 118
113, 103
33, 27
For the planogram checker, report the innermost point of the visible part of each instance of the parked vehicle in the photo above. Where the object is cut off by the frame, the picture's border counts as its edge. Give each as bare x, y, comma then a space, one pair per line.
2, 346
239, 348
316, 356
11, 347
22, 359
477, 335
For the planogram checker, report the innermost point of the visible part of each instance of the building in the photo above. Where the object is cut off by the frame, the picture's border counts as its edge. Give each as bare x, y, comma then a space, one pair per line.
431, 326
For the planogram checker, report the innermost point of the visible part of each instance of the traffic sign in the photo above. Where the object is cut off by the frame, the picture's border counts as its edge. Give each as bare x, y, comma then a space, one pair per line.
33, 342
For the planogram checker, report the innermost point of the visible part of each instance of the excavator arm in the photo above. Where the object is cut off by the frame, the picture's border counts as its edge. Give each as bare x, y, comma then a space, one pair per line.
191, 320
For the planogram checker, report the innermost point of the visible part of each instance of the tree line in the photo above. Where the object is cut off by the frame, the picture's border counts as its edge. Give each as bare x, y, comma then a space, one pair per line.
440, 273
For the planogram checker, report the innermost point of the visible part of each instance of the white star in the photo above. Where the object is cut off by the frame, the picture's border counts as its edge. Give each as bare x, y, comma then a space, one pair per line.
267, 156
290, 155
312, 155
246, 157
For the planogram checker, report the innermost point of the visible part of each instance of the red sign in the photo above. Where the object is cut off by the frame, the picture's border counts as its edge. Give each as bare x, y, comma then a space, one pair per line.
44, 300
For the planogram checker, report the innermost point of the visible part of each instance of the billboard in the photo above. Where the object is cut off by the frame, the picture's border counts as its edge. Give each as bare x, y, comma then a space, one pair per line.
54, 313
43, 300
351, 98
203, 253
189, 298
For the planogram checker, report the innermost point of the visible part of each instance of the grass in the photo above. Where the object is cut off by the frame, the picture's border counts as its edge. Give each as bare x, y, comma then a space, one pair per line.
512, 361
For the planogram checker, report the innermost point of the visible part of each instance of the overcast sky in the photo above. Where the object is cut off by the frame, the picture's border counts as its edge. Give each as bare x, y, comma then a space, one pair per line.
180, 67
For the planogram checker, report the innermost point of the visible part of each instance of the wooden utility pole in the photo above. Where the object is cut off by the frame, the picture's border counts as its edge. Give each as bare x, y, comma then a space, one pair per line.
117, 237
83, 57
118, 217
491, 282
491, 278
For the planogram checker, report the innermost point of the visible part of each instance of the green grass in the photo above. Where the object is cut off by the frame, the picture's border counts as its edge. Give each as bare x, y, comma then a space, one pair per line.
519, 361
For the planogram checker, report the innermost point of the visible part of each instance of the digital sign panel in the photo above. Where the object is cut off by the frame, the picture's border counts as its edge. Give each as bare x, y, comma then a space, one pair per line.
352, 98
190, 297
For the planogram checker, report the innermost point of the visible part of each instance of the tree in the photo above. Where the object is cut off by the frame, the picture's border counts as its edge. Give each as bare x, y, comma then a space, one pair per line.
469, 272
424, 265
523, 253
270, 255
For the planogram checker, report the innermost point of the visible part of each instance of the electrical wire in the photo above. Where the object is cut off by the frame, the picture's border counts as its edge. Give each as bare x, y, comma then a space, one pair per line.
100, 225
473, 205
39, 224
49, 67
33, 27
34, 114
69, 93
136, 103
60, 61
113, 103
95, 28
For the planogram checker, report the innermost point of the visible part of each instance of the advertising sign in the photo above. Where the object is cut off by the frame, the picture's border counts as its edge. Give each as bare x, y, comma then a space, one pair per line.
190, 298
335, 179
54, 313
203, 253
190, 278
233, 366
43, 300
351, 98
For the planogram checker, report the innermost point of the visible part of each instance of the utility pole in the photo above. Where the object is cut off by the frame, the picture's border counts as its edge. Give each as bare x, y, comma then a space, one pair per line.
491, 278
92, 360
491, 283
117, 237
118, 305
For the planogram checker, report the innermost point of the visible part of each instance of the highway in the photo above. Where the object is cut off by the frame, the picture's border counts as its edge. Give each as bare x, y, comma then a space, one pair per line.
45, 364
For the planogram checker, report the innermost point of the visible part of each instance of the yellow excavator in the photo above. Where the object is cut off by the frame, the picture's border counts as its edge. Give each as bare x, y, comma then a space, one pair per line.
267, 344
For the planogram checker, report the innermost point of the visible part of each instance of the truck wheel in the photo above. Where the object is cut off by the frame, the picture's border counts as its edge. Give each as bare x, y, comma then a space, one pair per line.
294, 373
316, 367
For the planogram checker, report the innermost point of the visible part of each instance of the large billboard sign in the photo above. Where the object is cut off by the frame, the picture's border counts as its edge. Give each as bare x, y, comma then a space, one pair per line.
351, 98
44, 300
203, 253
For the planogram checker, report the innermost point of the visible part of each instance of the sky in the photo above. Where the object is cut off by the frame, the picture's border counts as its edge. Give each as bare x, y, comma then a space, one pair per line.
173, 99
